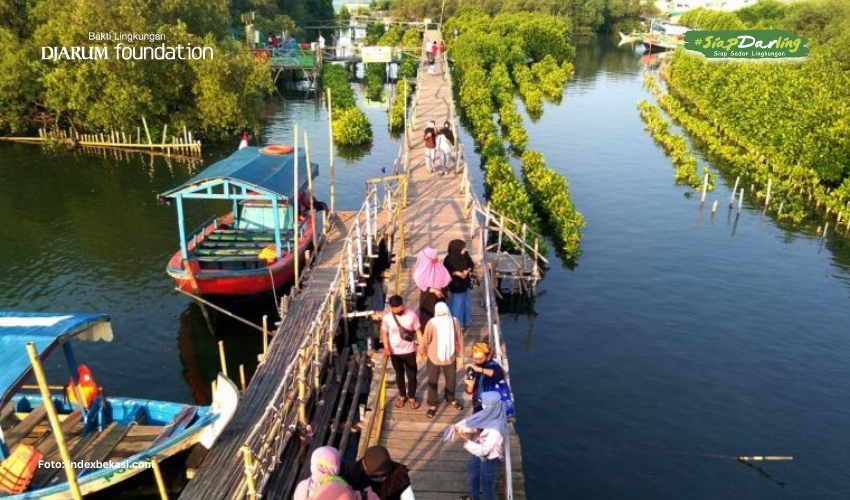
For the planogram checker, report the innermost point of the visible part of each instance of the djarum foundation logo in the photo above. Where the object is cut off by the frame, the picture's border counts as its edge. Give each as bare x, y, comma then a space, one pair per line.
747, 44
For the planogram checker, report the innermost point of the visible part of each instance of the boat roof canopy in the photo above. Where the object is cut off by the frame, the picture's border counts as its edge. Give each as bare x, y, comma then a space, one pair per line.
247, 173
46, 331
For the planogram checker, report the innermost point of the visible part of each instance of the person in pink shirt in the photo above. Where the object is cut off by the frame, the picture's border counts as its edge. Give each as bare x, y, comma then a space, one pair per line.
400, 329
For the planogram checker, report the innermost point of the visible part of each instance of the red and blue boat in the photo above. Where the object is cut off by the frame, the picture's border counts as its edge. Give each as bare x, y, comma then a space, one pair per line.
251, 250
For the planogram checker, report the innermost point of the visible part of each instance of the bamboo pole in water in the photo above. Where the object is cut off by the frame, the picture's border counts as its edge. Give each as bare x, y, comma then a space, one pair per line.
741, 200
160, 483
70, 473
704, 187
734, 190
296, 224
331, 151
767, 195
221, 357
265, 334
310, 190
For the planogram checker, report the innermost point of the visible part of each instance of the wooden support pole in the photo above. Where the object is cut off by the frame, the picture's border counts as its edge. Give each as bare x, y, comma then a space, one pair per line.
249, 472
265, 334
317, 343
704, 187
741, 200
344, 299
296, 224
55, 425
714, 207
221, 357
147, 132
160, 483
302, 387
767, 195
331, 151
310, 190
734, 190
524, 236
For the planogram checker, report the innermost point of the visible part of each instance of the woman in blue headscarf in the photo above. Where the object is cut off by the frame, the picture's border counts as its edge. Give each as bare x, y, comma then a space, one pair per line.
484, 436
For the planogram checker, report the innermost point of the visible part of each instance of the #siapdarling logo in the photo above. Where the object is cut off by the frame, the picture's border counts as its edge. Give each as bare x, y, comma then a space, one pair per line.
747, 44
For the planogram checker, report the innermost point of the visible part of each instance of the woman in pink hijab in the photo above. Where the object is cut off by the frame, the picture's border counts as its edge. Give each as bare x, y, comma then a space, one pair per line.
432, 279
324, 462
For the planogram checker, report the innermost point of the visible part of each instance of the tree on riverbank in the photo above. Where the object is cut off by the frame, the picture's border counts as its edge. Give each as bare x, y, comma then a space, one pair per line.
214, 96
583, 16
788, 121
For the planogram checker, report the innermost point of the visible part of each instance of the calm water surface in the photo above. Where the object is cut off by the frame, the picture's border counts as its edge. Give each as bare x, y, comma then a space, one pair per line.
680, 340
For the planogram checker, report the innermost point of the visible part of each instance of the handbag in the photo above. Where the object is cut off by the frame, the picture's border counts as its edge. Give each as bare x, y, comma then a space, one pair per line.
473, 281
406, 335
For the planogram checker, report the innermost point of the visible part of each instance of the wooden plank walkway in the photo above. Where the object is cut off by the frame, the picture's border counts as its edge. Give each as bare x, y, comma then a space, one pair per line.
435, 215
221, 474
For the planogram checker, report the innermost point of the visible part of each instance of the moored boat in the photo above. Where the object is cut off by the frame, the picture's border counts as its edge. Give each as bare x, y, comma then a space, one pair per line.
251, 250
107, 438
664, 36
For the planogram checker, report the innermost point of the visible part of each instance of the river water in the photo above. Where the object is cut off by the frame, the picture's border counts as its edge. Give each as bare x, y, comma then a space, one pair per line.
679, 342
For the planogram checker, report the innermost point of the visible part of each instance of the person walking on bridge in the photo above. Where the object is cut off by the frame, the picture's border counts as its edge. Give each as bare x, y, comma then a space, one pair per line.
445, 144
400, 330
442, 348
432, 279
430, 137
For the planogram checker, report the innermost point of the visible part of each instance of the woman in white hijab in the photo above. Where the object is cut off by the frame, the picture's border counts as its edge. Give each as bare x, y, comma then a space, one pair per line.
484, 436
442, 345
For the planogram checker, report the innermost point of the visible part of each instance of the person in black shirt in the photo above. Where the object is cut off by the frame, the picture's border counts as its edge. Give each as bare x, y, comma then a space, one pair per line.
388, 479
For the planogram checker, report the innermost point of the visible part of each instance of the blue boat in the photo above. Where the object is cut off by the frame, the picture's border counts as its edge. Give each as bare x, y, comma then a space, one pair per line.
108, 439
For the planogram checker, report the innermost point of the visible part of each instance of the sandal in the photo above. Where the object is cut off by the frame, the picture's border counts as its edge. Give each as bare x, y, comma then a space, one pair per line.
414, 405
431, 413
400, 402
456, 405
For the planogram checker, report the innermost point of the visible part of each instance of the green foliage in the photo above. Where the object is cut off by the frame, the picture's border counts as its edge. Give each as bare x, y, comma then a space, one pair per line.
487, 53
214, 97
374, 32
712, 20
335, 78
219, 110
396, 119
19, 83
343, 14
351, 127
673, 144
549, 191
551, 77
376, 75
392, 36
784, 122
763, 15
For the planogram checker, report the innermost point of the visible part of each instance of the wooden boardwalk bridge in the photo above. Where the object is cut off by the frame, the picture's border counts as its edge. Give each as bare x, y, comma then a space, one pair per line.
440, 208
305, 394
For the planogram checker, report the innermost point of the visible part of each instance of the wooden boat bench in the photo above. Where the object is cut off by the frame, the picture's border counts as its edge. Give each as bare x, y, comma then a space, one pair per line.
241, 235
23, 428
230, 263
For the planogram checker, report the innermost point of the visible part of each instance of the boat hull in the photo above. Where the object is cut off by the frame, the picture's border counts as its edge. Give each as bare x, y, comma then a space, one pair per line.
190, 276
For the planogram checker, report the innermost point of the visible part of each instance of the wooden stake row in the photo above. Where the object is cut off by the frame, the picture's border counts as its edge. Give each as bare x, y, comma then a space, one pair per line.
183, 144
